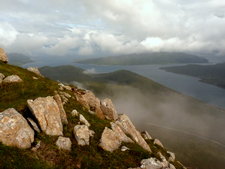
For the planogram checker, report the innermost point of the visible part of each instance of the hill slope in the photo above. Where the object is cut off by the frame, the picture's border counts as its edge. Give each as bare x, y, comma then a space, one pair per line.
213, 74
190, 122
48, 155
146, 58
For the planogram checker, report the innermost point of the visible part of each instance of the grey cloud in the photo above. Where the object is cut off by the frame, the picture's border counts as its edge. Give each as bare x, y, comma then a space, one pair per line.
111, 27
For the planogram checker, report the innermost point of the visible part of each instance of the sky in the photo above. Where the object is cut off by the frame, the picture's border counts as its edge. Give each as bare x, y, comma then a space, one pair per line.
111, 27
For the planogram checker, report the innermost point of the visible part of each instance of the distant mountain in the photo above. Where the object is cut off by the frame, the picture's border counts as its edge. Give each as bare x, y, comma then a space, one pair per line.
19, 59
213, 74
147, 58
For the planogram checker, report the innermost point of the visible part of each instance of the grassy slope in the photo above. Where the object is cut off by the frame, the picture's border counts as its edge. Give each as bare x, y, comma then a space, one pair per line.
48, 156
147, 58
213, 74
111, 84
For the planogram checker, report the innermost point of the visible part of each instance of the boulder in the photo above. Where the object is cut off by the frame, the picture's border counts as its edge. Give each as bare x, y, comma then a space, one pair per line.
108, 109
12, 79
172, 156
3, 56
75, 113
47, 113
151, 163
157, 142
62, 87
83, 134
34, 125
111, 139
14, 129
128, 128
146, 135
64, 143
83, 120
61, 109
35, 70
90, 102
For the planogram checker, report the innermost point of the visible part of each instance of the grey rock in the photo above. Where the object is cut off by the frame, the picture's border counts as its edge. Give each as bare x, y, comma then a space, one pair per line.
128, 128
14, 129
64, 143
83, 120
35, 70
111, 139
61, 109
124, 148
75, 113
108, 109
3, 56
83, 134
12, 79
157, 142
34, 125
47, 113
172, 156
146, 135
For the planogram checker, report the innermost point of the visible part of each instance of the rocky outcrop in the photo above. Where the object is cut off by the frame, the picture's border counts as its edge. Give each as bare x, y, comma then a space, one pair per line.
128, 128
157, 142
82, 134
146, 135
47, 113
65, 97
12, 79
35, 70
153, 163
83, 120
89, 101
111, 139
62, 87
64, 143
14, 129
3, 56
63, 115
108, 109
172, 156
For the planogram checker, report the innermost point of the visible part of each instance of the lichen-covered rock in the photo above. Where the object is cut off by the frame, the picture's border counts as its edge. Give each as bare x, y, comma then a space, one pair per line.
83, 120
14, 129
128, 128
47, 113
61, 109
111, 139
12, 79
157, 142
89, 101
146, 135
35, 70
3, 56
34, 125
82, 134
64, 143
74, 113
108, 109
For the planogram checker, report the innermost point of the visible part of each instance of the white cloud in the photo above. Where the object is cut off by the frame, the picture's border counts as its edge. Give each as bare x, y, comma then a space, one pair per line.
7, 34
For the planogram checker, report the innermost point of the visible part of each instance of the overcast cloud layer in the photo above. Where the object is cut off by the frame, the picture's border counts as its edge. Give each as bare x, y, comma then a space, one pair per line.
111, 27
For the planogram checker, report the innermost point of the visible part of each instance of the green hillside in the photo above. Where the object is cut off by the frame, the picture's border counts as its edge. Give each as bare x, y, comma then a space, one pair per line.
146, 59
48, 155
150, 102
